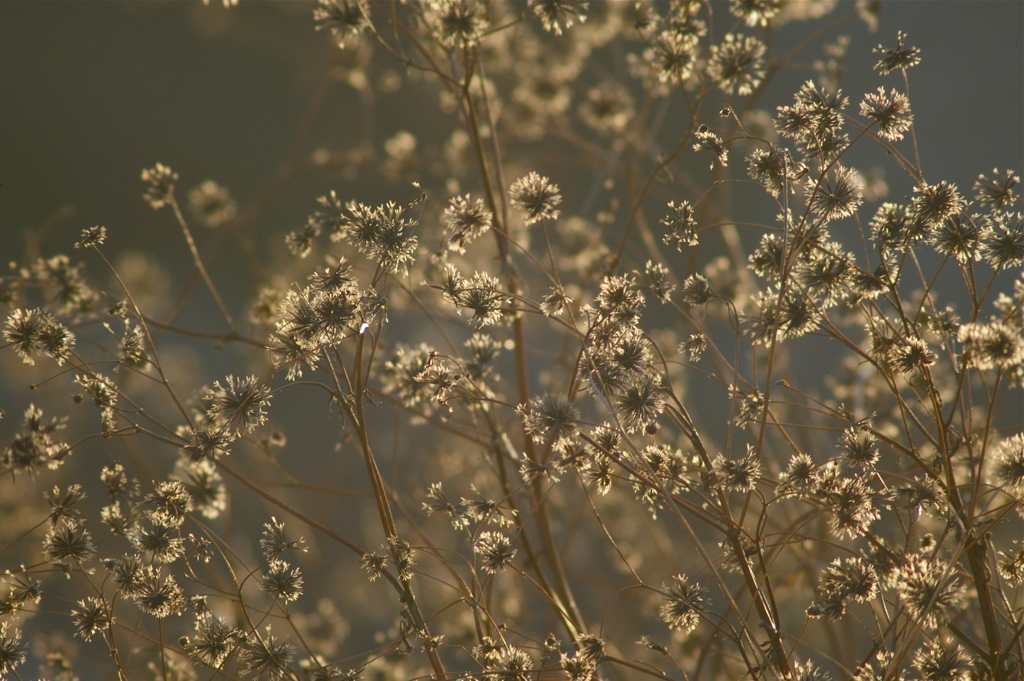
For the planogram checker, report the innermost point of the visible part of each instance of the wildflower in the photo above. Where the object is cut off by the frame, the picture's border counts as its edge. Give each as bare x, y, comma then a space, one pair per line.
556, 15
212, 204
928, 588
550, 417
851, 505
495, 551
694, 346
481, 295
898, 58
841, 581
12, 650
375, 564
826, 272
466, 221
344, 18
681, 225
837, 194
737, 64
656, 281
892, 226
457, 22
61, 504
161, 181
766, 260
213, 642
768, 166
282, 581
997, 192
684, 604
755, 12
209, 443
995, 345
1011, 566
158, 595
273, 541
205, 486
238, 404
912, 354
171, 502
675, 54
933, 203
939, 662
958, 236
70, 542
608, 108
127, 573
859, 446
536, 197
800, 472
1003, 245
92, 236
34, 330
696, 290
1009, 467
890, 110
159, 541
264, 654
640, 403
709, 141
91, 617
300, 242
619, 300
382, 233
437, 501
739, 475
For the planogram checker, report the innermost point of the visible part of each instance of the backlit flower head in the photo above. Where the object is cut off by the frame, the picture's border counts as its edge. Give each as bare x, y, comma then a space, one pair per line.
536, 197
737, 64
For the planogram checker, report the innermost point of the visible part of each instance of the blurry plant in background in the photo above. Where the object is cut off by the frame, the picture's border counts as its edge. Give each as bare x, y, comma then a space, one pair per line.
621, 407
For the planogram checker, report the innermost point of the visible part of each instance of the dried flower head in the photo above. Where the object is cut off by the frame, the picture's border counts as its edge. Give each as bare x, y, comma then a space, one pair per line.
343, 18
997, 191
684, 604
536, 197
239, 404
901, 57
890, 110
92, 236
995, 345
737, 64
212, 204
495, 551
161, 180
465, 221
456, 22
559, 15
681, 225
1009, 466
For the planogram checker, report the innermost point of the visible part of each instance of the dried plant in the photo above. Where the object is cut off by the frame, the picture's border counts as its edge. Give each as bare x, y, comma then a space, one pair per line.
596, 428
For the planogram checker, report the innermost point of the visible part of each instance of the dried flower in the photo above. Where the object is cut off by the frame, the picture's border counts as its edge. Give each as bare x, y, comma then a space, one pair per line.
239, 403
536, 197
890, 110
465, 221
212, 204
282, 581
92, 236
899, 57
559, 15
737, 64
161, 181
495, 551
684, 604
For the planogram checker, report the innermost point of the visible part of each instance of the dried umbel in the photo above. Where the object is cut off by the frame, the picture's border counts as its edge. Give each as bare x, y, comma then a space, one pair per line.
586, 400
